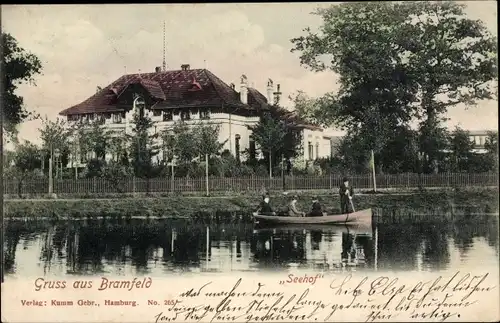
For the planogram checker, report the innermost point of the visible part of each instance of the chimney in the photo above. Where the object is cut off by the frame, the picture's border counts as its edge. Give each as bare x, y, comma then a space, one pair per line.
277, 95
270, 89
244, 89
185, 67
157, 69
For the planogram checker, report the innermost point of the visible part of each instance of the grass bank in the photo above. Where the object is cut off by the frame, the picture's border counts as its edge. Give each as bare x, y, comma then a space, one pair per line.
388, 204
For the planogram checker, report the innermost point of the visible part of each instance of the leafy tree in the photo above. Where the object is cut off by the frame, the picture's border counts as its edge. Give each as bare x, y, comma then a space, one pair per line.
491, 156
26, 161
373, 99
95, 168
398, 61
353, 153
269, 135
118, 149
187, 144
19, 66
309, 109
94, 137
170, 146
433, 140
143, 146
55, 138
400, 154
293, 125
228, 166
115, 172
179, 144
207, 138
461, 150
86, 137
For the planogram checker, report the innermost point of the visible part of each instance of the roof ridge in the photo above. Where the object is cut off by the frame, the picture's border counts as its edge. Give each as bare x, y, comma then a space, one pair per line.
211, 76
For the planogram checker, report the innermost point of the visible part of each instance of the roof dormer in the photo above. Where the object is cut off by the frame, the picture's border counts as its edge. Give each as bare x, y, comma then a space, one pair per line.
194, 86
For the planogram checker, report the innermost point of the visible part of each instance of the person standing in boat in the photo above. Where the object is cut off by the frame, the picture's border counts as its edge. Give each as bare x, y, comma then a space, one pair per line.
265, 207
292, 208
346, 193
317, 209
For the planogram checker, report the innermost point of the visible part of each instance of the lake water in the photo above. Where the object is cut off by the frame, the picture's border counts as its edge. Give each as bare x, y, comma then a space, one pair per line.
162, 247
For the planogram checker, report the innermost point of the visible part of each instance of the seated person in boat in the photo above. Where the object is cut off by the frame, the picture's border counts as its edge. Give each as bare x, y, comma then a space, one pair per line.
346, 193
292, 208
264, 207
317, 209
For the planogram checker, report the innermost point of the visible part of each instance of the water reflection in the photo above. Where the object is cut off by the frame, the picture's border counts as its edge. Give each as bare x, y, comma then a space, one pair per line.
159, 247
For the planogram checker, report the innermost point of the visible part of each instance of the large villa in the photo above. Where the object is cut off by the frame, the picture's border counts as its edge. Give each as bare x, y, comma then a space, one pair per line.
194, 96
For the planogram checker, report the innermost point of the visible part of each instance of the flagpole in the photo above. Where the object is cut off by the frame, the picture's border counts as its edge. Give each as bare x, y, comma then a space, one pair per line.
373, 172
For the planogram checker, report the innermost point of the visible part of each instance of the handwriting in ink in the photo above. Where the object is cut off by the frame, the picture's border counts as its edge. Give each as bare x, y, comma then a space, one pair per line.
362, 298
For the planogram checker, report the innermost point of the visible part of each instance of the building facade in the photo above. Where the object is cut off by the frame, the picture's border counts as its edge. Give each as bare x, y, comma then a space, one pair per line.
193, 96
479, 138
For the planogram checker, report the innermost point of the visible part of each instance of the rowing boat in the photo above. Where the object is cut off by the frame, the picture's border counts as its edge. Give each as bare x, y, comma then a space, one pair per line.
359, 217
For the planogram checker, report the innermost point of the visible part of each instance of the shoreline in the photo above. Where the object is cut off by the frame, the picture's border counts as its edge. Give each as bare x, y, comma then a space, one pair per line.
225, 195
46, 218
446, 203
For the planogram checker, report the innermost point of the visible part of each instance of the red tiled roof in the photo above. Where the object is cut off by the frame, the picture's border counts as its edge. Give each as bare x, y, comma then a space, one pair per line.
153, 88
170, 88
174, 89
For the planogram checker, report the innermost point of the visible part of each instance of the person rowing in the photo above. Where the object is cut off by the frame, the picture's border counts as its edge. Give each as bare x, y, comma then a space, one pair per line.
346, 193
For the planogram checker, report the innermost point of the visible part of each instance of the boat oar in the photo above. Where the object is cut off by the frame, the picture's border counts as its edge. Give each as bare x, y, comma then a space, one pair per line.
352, 205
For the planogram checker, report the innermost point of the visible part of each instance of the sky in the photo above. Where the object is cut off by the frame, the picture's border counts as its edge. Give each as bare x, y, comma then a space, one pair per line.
85, 46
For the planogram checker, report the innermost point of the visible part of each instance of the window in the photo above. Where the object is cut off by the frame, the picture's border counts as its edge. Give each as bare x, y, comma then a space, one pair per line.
91, 117
86, 156
100, 119
156, 113
185, 115
117, 117
204, 114
317, 150
73, 117
251, 148
310, 150
168, 116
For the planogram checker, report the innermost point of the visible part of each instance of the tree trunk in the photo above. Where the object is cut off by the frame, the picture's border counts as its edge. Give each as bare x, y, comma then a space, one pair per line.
206, 174
51, 179
430, 124
172, 178
20, 187
270, 165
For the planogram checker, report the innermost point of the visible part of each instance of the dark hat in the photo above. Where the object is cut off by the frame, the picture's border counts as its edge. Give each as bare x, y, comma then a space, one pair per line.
345, 179
295, 197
